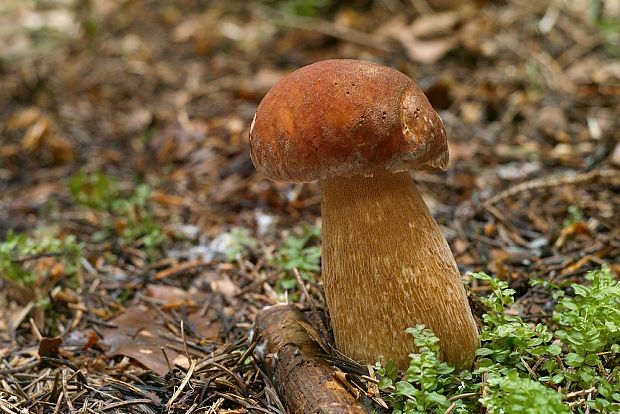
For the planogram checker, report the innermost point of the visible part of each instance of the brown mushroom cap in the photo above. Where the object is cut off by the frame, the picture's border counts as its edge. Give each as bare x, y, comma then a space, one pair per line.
345, 117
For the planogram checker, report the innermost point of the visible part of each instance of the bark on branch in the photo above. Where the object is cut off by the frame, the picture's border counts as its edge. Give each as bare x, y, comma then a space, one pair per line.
306, 383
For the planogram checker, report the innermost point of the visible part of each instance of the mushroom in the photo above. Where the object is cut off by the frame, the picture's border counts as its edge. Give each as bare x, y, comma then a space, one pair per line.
358, 127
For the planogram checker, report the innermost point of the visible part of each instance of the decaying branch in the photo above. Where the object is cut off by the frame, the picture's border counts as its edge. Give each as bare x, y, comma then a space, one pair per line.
289, 348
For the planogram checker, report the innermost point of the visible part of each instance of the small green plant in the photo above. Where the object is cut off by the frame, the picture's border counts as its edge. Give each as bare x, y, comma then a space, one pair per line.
18, 252
237, 242
574, 216
427, 381
589, 325
298, 252
578, 351
134, 222
14, 246
512, 394
95, 190
129, 212
570, 365
300, 7
609, 30
507, 341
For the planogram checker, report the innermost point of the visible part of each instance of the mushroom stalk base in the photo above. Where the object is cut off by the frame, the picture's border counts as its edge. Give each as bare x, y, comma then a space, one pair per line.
387, 267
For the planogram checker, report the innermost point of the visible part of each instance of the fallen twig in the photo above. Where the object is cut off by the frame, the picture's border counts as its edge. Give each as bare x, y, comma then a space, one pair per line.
327, 28
305, 382
554, 181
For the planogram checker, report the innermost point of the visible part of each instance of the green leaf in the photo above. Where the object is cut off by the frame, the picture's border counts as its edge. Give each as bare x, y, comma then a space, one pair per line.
405, 389
557, 378
574, 360
484, 351
580, 290
592, 360
554, 350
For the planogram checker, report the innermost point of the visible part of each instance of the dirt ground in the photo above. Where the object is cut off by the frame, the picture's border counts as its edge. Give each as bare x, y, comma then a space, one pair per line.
159, 94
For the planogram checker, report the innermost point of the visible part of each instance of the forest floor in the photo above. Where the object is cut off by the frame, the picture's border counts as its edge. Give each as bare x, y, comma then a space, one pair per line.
129, 203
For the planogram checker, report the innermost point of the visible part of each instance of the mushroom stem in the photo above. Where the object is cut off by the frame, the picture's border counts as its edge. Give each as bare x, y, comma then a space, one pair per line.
387, 267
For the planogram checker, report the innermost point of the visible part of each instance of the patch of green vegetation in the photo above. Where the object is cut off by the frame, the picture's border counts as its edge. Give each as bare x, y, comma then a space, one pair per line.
238, 242
589, 325
610, 31
298, 251
424, 387
125, 295
508, 341
300, 7
575, 215
130, 215
571, 365
135, 223
94, 190
18, 252
513, 394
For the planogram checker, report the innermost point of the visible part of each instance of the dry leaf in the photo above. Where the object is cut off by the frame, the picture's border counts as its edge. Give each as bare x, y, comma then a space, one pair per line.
615, 156
166, 199
434, 24
23, 118
210, 330
206, 325
40, 138
551, 121
166, 293
34, 197
478, 35
570, 231
226, 287
257, 86
33, 138
61, 150
139, 335
315, 335
49, 346
342, 378
590, 69
418, 50
452, 4
137, 120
